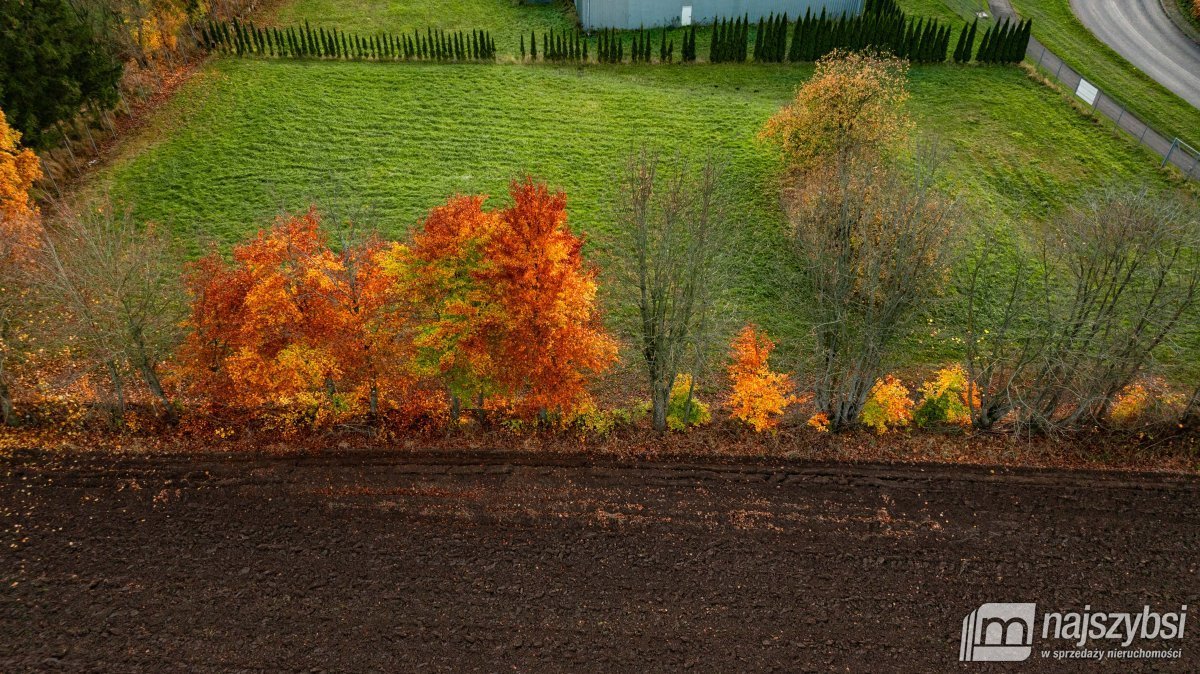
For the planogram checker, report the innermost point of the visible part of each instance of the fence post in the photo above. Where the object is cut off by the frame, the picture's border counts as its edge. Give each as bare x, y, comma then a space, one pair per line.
1041, 55
1171, 151
1145, 128
1056, 72
1122, 115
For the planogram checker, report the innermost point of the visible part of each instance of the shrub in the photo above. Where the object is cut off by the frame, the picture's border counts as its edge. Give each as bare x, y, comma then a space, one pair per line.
1145, 402
819, 421
685, 409
593, 421
888, 406
945, 399
759, 395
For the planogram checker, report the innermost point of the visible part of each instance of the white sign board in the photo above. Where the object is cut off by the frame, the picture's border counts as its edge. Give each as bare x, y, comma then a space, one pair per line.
1087, 91
685, 17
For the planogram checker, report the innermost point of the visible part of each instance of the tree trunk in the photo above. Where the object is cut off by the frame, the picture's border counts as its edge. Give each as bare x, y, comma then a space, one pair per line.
660, 398
155, 385
7, 415
67, 144
118, 406
1192, 409
455, 410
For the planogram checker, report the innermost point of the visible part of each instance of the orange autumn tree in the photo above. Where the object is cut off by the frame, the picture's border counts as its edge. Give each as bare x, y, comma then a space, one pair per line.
544, 314
289, 323
759, 396
501, 304
20, 231
19, 170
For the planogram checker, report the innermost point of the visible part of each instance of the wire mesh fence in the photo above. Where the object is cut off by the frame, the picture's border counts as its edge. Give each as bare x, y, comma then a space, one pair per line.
1173, 150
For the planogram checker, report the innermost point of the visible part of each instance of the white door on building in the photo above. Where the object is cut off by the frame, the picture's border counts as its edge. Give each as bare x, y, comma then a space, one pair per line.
685, 17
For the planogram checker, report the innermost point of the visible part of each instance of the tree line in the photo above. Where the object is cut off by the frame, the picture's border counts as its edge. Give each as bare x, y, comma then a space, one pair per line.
881, 26
1005, 42
246, 39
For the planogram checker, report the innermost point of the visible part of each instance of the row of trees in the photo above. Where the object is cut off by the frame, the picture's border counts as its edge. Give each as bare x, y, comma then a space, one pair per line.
559, 47
882, 27
729, 41
1059, 323
492, 310
1004, 42
246, 39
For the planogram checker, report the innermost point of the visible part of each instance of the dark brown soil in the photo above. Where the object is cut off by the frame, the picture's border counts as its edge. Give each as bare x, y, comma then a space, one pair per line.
363, 561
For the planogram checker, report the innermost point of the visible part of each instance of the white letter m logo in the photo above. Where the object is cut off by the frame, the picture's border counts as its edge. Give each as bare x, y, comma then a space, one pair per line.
997, 632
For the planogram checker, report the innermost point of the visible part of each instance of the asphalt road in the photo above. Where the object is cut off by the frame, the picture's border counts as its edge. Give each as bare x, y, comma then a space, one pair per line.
1140, 31
399, 562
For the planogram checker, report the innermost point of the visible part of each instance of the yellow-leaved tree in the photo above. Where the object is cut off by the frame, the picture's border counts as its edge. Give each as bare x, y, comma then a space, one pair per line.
759, 396
20, 227
852, 107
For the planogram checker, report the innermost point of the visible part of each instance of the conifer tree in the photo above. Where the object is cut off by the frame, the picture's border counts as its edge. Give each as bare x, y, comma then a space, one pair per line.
794, 54
969, 51
781, 36
985, 45
758, 41
662, 50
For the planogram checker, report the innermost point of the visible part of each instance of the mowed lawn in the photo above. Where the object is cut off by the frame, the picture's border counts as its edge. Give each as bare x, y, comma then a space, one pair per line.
382, 143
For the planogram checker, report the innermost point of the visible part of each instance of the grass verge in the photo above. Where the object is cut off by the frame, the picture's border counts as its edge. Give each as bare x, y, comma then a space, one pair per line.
1056, 27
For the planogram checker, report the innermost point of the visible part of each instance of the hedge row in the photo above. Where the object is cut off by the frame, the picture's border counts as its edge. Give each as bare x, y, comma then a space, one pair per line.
246, 39
881, 26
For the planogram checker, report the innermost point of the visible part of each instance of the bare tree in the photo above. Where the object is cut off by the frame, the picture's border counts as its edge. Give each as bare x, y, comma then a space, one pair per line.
118, 287
674, 224
874, 241
1112, 279
1001, 345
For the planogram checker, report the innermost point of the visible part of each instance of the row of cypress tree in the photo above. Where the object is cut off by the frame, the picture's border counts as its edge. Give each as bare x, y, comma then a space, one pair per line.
560, 47
770, 41
1005, 42
729, 41
1002, 43
882, 25
234, 37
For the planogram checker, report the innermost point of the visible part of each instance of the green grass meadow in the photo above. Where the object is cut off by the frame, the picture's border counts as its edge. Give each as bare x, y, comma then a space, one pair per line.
384, 142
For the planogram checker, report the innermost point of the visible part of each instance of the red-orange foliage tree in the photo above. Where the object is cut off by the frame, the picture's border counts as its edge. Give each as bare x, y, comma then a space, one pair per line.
544, 315
291, 324
502, 304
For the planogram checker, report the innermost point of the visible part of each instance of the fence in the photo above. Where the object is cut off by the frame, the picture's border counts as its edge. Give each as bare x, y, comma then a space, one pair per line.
1187, 150
1174, 151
